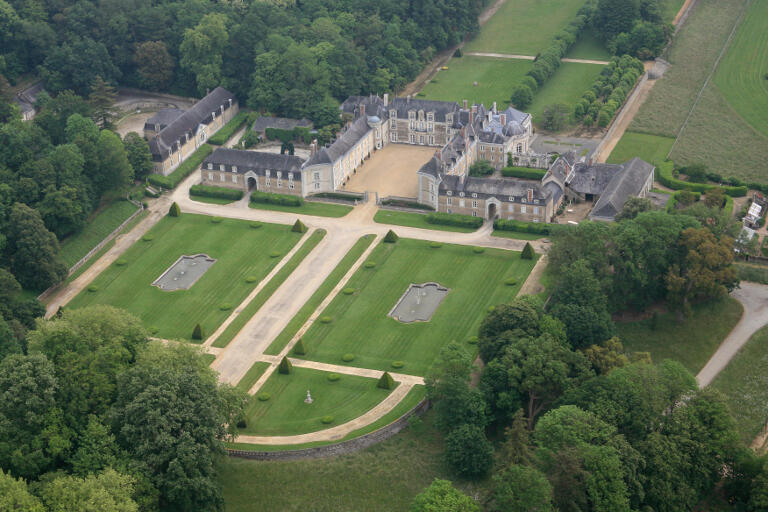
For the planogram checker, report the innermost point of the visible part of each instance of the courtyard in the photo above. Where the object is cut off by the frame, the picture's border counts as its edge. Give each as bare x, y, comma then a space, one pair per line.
391, 171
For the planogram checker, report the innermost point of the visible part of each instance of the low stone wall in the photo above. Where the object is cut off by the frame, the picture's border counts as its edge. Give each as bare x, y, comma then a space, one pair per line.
341, 448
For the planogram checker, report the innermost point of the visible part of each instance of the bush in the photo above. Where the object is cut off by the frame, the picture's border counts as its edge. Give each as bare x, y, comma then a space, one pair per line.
454, 219
391, 237
299, 349
217, 192
327, 419
664, 174
241, 424
468, 451
278, 199
510, 282
397, 364
435, 245
517, 226
225, 307
481, 168
174, 211
386, 381
472, 340
183, 170
251, 279
326, 319
216, 220
523, 172
121, 262
402, 203
478, 250
457, 53
255, 225
229, 129
274, 254
369, 264
299, 227
93, 288
348, 357
197, 332
148, 237
263, 396
528, 252
349, 197
348, 291
522, 96
285, 367
333, 377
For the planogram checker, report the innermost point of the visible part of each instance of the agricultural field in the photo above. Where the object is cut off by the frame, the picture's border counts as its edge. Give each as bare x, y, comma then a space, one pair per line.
651, 148
358, 323
524, 27
127, 283
99, 225
285, 412
565, 86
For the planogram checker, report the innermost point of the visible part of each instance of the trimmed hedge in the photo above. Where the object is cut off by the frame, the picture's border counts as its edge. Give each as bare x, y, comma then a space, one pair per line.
299, 133
539, 228
454, 219
349, 197
279, 199
523, 172
386, 381
229, 129
666, 177
217, 192
183, 170
402, 203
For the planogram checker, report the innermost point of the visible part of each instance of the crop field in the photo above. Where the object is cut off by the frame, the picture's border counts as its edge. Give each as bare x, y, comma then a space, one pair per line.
358, 324
565, 86
651, 148
524, 27
127, 283
74, 247
285, 413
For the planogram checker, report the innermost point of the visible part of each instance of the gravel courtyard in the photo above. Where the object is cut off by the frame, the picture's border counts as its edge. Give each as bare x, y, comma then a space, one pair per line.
391, 171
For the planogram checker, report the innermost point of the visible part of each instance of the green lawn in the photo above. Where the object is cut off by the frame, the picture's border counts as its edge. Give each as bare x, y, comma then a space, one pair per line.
360, 324
99, 225
285, 413
313, 303
250, 378
651, 148
240, 252
691, 342
414, 220
589, 47
566, 86
496, 78
670, 8
308, 208
744, 382
524, 27
517, 236
266, 292
210, 200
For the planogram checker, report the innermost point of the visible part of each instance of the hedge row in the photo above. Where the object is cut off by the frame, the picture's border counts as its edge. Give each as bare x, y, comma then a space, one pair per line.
222, 136
183, 170
279, 199
523, 172
665, 176
218, 192
403, 203
342, 196
454, 219
540, 228
600, 102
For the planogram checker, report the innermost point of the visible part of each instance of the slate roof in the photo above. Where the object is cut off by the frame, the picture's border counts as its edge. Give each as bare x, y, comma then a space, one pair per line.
187, 123
281, 123
26, 99
592, 179
501, 188
163, 118
252, 160
346, 141
625, 184
560, 168
440, 108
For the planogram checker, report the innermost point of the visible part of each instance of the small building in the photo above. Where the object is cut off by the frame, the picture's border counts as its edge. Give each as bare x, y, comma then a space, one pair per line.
26, 100
634, 179
754, 214
160, 121
253, 170
261, 124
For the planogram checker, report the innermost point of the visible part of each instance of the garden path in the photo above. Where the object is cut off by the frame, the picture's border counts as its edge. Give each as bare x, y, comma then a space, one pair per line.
531, 57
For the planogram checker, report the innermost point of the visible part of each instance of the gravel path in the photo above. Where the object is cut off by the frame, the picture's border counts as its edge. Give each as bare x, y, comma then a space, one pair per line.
531, 57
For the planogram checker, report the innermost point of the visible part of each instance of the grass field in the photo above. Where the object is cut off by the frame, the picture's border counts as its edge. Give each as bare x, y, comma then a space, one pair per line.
414, 220
670, 8
691, 342
99, 225
285, 413
313, 303
651, 148
566, 86
210, 200
174, 314
744, 382
250, 378
589, 47
524, 27
496, 78
266, 292
516, 235
308, 208
359, 322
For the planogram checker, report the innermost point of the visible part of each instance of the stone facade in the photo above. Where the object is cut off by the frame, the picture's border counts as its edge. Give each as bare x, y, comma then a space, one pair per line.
253, 170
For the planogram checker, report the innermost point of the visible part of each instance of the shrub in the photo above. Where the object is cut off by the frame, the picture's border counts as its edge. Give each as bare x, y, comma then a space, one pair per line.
468, 451
255, 225
278, 199
481, 168
216, 220
397, 364
527, 253
217, 192
435, 245
251, 279
229, 129
664, 174
349, 197
263, 396
197, 332
472, 340
457, 53
522, 96
241, 423
386, 381
402, 203
369, 264
530, 82
148, 237
391, 237
274, 254
285, 367
523, 172
348, 291
333, 377
510, 282
348, 357
299, 227
521, 227
327, 419
325, 319
174, 211
478, 250
120, 262
225, 307
93, 288
299, 349
454, 219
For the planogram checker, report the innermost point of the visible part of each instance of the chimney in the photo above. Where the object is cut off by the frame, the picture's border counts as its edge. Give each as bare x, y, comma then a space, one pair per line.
530, 195
408, 99
386, 99
474, 109
503, 119
494, 107
362, 110
313, 147
464, 131
465, 104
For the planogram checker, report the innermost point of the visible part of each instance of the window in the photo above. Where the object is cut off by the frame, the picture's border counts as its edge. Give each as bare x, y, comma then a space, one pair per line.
431, 139
522, 209
431, 187
394, 136
411, 115
393, 114
221, 167
268, 181
413, 139
474, 214
535, 210
210, 175
430, 116
511, 199
522, 200
317, 186
430, 127
234, 178
449, 201
461, 194
290, 185
421, 139
450, 211
279, 183
511, 208
279, 174
392, 123
461, 203
450, 192
234, 168
474, 203
221, 177
316, 176
449, 118
210, 165
267, 173
474, 194
519, 148
535, 201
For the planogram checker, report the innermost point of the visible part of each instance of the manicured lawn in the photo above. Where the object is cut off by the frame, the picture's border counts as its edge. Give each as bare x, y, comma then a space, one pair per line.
744, 382
99, 225
496, 78
566, 86
414, 220
240, 251
691, 342
285, 413
651, 148
589, 47
313, 303
250, 378
359, 323
524, 27
266, 292
208, 358
308, 208
211, 200
382, 478
516, 235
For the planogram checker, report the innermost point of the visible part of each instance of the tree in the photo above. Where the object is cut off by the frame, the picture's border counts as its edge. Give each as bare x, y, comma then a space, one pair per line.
441, 496
481, 168
633, 207
468, 452
285, 366
106, 492
299, 227
607, 356
201, 50
555, 117
96, 449
390, 238
102, 99
154, 63
197, 332
521, 489
385, 381
616, 16
175, 211
705, 270
522, 96
33, 250
116, 171
522, 317
299, 349
516, 448
139, 156
715, 198
62, 211
15, 496
527, 253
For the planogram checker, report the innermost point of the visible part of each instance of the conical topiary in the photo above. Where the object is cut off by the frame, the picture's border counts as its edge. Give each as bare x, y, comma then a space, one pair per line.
527, 253
197, 332
299, 348
285, 366
175, 211
391, 237
299, 227
386, 381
